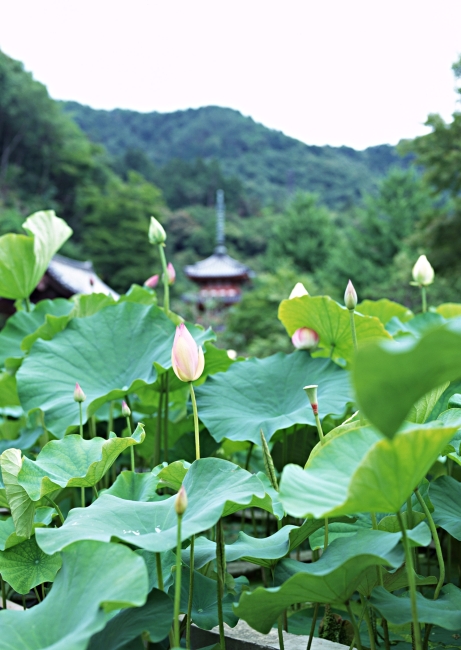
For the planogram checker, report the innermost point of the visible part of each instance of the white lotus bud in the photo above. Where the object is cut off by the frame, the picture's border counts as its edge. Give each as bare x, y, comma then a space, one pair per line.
423, 273
298, 290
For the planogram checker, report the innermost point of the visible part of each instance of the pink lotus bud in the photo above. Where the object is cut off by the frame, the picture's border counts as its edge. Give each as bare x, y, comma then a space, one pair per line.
171, 273
79, 395
305, 338
180, 503
186, 357
298, 290
126, 411
311, 392
350, 296
151, 282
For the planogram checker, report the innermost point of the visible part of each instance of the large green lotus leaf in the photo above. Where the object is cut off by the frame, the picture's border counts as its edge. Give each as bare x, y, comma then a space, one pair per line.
21, 506
210, 483
94, 580
25, 566
416, 327
24, 323
168, 562
9, 538
361, 471
24, 259
72, 462
135, 487
333, 578
110, 354
445, 611
392, 580
332, 323
155, 617
25, 440
384, 310
449, 310
422, 409
268, 394
8, 390
445, 493
390, 376
205, 599
139, 294
262, 551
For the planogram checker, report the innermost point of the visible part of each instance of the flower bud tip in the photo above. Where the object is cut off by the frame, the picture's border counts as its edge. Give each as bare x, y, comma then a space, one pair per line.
305, 339
151, 282
350, 296
423, 273
157, 234
298, 290
126, 411
79, 395
180, 503
187, 357
171, 273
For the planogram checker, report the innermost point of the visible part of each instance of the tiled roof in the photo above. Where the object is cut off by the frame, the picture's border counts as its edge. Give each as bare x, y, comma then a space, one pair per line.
77, 277
218, 266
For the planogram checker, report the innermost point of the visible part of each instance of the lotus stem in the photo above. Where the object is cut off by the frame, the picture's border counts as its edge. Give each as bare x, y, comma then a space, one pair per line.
196, 427
56, 507
128, 424
371, 632
82, 490
435, 537
355, 627
280, 632
36, 595
177, 586
411, 584
3, 593
248, 458
191, 591
166, 287
379, 570
220, 569
158, 433
268, 463
423, 299
158, 561
27, 303
314, 621
353, 330
165, 420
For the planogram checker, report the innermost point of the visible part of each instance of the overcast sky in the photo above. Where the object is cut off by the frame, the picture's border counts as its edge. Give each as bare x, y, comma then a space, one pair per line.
339, 72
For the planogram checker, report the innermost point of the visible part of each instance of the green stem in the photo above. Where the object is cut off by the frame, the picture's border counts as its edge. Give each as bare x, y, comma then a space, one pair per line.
220, 570
248, 458
424, 299
435, 537
354, 626
409, 513
3, 593
24, 602
411, 584
36, 595
27, 301
158, 561
166, 286
92, 426
82, 490
353, 331
165, 421
128, 424
110, 421
379, 570
314, 621
371, 632
196, 428
191, 591
280, 632
319, 428
177, 587
158, 433
325, 539
56, 507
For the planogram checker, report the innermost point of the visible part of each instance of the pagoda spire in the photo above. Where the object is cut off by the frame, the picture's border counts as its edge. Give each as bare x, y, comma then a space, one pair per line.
220, 221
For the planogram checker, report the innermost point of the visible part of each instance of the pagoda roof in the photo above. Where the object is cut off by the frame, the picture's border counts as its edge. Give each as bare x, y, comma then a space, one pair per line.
218, 266
77, 277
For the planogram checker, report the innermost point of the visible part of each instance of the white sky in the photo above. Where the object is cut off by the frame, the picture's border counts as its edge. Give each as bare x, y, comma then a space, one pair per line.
336, 72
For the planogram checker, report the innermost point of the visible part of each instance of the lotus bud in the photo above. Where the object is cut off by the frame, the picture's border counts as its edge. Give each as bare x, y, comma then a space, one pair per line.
311, 392
79, 395
186, 356
180, 503
305, 338
232, 354
152, 282
298, 290
171, 273
350, 296
423, 273
126, 411
157, 234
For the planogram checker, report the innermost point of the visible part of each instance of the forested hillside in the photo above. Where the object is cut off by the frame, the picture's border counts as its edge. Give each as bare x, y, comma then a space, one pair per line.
270, 165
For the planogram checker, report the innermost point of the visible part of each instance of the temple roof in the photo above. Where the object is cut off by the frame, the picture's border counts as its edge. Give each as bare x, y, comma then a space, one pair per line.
77, 277
218, 266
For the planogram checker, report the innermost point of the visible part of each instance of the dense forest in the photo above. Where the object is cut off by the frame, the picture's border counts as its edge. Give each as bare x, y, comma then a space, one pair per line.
321, 215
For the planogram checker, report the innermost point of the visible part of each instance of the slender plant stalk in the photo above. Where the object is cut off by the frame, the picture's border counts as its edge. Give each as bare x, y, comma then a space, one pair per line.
319, 428
379, 570
36, 595
177, 587
196, 428
371, 632
93, 426
82, 490
191, 591
358, 643
27, 301
220, 570
314, 621
353, 331
158, 562
166, 286
95, 491
128, 424
435, 537
56, 507
248, 458
165, 420
423, 299
24, 602
411, 584
280, 632
3, 593
158, 433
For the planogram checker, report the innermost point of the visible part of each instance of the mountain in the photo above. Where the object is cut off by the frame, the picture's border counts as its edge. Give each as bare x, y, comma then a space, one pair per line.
270, 165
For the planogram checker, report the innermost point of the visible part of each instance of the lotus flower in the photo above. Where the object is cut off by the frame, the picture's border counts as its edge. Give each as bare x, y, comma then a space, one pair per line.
298, 290
171, 273
126, 411
152, 282
157, 234
180, 503
350, 296
186, 356
305, 338
423, 273
79, 395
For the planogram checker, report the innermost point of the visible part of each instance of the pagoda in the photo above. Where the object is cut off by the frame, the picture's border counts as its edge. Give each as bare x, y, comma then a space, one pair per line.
220, 278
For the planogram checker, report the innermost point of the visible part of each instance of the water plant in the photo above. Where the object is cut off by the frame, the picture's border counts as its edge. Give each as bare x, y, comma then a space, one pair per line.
333, 470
